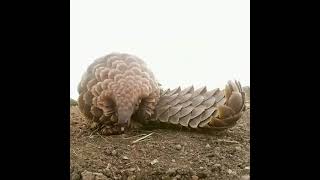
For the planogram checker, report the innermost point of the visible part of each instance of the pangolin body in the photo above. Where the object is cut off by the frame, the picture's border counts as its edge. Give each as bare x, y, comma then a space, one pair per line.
118, 90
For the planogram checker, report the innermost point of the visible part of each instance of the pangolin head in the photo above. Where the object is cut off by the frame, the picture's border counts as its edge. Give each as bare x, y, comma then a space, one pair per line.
120, 85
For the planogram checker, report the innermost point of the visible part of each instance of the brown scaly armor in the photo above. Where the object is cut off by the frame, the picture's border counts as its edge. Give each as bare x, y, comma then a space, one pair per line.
118, 91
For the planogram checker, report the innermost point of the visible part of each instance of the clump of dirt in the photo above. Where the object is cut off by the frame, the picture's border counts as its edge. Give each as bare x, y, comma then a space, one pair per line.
165, 154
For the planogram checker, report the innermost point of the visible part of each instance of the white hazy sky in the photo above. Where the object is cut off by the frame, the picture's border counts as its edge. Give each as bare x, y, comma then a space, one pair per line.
184, 42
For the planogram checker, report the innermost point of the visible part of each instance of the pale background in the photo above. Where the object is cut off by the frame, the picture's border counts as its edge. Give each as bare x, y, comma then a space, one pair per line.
196, 42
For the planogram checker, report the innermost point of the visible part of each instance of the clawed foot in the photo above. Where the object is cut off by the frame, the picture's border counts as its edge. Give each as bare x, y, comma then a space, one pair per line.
114, 129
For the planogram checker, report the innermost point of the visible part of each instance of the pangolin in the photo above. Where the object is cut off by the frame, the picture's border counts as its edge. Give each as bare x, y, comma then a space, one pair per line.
119, 92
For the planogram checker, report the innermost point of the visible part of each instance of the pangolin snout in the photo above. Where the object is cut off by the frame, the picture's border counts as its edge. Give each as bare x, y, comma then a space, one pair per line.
124, 116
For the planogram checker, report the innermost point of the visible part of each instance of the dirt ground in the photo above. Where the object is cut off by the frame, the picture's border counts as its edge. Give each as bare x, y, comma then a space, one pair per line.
166, 154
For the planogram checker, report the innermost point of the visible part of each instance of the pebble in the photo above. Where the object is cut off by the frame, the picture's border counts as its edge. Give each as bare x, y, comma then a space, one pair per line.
165, 178
132, 177
154, 161
100, 176
247, 168
192, 172
245, 177
108, 166
132, 169
230, 171
202, 175
125, 157
171, 171
194, 177
86, 175
238, 148
75, 176
183, 171
216, 166
201, 167
114, 152
173, 160
208, 146
107, 172
178, 146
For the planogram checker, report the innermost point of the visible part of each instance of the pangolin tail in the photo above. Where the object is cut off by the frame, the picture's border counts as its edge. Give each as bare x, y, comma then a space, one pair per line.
215, 109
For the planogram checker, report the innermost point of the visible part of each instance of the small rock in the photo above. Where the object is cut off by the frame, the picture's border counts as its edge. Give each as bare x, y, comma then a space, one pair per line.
75, 176
201, 167
117, 177
107, 172
217, 165
132, 177
138, 169
125, 158
194, 177
100, 176
132, 169
171, 171
217, 149
247, 170
245, 177
183, 171
173, 160
165, 177
178, 176
114, 152
178, 147
202, 175
208, 146
86, 175
154, 161
238, 148
192, 172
